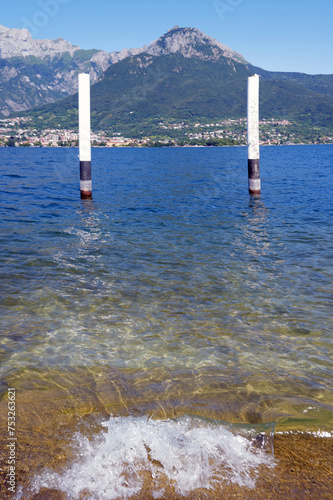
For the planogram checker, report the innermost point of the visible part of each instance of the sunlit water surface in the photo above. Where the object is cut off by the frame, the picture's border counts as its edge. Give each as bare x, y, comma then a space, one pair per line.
174, 285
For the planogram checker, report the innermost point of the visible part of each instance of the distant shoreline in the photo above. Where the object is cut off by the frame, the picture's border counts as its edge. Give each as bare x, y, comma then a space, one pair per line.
171, 146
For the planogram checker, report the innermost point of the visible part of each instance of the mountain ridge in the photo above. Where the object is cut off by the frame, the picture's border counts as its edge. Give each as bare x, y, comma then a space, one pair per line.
184, 74
19, 42
34, 72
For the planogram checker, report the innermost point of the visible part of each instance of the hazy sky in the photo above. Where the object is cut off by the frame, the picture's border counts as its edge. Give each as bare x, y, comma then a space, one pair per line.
281, 35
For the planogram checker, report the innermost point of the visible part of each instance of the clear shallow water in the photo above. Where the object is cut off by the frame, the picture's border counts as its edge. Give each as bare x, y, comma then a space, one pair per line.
172, 280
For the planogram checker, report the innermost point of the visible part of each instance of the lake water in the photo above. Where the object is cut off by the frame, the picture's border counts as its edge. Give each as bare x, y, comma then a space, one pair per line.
172, 317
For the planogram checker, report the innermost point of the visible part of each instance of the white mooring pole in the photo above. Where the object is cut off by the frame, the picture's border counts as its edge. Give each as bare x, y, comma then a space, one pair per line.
84, 136
253, 134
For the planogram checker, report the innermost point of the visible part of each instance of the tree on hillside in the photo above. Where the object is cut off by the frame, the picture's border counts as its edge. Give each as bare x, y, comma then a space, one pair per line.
11, 142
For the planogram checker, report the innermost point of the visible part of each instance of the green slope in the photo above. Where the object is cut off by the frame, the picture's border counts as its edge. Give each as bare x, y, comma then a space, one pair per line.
321, 84
138, 92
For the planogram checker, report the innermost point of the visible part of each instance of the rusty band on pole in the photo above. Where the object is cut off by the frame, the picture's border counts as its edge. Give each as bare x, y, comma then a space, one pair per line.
254, 176
85, 179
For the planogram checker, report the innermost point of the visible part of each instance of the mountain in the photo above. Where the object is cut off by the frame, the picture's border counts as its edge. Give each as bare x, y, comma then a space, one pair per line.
18, 42
191, 43
34, 72
321, 84
185, 75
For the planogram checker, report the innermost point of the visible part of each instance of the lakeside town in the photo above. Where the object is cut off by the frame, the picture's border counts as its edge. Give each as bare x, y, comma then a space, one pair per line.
15, 132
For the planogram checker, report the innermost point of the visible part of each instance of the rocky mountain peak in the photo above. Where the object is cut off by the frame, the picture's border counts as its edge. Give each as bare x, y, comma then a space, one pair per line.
14, 33
191, 42
19, 42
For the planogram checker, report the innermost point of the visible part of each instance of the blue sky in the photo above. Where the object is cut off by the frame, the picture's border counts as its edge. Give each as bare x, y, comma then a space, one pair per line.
280, 35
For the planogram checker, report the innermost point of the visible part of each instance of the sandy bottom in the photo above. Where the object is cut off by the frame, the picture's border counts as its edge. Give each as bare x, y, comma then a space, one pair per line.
46, 421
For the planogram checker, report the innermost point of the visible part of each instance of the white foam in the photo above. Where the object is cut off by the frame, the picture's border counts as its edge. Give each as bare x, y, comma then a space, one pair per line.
190, 452
319, 433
